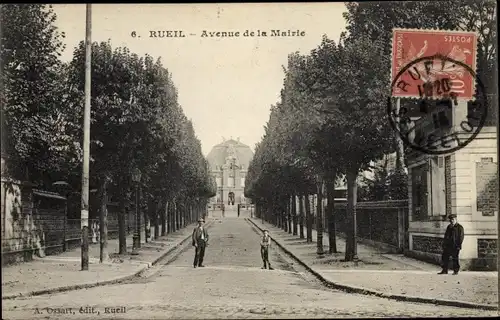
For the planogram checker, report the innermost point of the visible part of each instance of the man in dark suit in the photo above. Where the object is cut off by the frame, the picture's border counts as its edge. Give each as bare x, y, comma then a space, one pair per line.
452, 244
200, 239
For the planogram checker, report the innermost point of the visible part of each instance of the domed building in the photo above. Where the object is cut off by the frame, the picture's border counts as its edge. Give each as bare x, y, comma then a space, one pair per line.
228, 163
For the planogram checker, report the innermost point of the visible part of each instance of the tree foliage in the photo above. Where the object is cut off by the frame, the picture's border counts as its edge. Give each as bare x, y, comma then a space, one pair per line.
32, 90
136, 119
331, 116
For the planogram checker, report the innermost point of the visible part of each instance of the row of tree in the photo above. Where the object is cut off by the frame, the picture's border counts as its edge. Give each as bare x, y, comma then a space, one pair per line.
136, 120
331, 120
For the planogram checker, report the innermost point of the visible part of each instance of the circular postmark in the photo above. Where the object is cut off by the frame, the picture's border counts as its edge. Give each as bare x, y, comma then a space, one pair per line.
439, 120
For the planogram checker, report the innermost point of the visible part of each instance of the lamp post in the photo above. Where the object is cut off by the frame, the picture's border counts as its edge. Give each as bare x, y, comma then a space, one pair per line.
136, 178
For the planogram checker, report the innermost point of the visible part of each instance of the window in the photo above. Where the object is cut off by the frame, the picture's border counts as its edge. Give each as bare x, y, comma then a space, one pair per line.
230, 181
242, 179
438, 186
218, 181
419, 192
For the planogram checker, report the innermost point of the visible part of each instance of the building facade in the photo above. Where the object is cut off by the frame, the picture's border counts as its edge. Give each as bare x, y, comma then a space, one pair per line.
465, 183
229, 163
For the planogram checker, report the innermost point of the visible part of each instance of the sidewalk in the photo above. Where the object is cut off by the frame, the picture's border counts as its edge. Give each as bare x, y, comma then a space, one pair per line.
389, 275
62, 272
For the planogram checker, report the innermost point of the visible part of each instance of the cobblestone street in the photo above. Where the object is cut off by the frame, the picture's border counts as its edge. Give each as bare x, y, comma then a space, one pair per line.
232, 285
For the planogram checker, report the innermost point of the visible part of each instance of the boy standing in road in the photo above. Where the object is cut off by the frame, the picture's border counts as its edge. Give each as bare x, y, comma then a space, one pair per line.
264, 250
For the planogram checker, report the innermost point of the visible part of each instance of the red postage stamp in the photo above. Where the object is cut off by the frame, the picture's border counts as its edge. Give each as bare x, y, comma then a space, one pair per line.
433, 64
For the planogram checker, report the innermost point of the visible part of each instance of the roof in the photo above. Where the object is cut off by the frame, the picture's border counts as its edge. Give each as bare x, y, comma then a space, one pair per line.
217, 156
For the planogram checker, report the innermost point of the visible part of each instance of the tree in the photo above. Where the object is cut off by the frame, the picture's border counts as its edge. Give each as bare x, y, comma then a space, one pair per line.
323, 147
360, 95
138, 123
33, 91
136, 120
377, 19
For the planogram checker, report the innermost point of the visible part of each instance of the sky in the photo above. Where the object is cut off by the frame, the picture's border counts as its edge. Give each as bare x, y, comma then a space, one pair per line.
226, 85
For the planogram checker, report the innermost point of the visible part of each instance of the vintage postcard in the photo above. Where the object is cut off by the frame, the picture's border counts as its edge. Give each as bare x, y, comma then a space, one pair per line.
249, 160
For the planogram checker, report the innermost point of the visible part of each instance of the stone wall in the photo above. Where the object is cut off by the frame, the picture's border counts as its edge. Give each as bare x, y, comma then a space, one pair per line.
34, 223
487, 253
26, 230
428, 244
487, 187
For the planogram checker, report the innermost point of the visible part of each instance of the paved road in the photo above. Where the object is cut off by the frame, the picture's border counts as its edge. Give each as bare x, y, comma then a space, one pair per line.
232, 285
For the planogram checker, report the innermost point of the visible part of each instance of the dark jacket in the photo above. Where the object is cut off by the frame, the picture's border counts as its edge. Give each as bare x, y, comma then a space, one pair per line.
454, 236
266, 241
197, 235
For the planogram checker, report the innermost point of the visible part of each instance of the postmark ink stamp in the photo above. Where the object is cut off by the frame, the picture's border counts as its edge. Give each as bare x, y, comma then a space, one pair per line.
441, 103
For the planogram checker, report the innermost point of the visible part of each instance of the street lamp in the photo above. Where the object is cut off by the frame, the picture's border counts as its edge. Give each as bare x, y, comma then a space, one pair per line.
136, 178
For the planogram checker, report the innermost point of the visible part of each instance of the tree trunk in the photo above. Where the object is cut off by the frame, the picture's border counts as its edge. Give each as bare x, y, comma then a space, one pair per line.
200, 212
157, 220
194, 209
103, 221
294, 214
190, 214
163, 215
283, 211
184, 213
330, 193
289, 213
278, 217
280, 213
173, 214
301, 216
122, 237
319, 220
147, 226
308, 218
179, 214
351, 246
400, 149
167, 217
275, 217
170, 226
148, 213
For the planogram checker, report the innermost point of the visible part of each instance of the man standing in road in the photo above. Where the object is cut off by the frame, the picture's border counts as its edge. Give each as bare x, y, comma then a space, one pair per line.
200, 239
452, 244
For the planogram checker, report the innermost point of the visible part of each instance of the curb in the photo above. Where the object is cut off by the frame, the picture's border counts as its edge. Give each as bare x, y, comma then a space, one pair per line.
102, 283
360, 290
